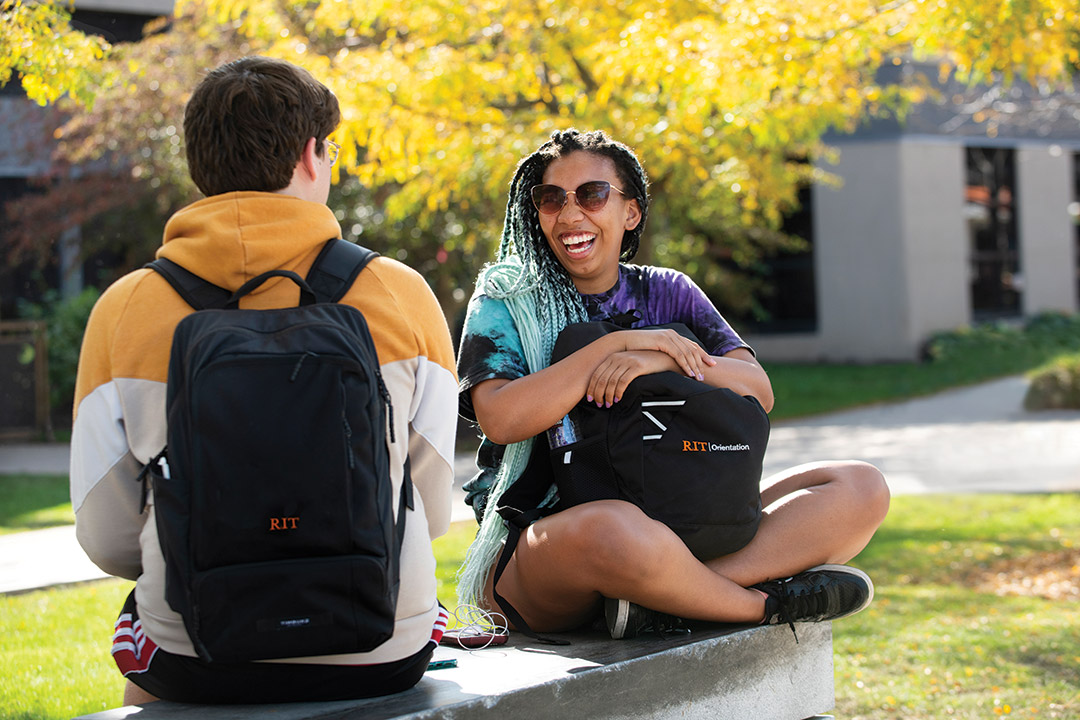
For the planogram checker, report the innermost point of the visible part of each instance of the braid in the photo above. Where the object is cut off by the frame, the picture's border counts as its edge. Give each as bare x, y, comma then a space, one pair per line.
636, 183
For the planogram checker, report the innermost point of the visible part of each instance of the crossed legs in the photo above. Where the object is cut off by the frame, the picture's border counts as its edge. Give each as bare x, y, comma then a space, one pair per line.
567, 563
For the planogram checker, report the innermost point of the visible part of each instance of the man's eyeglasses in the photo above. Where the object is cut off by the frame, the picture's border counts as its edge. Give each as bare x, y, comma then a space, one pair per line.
591, 196
332, 150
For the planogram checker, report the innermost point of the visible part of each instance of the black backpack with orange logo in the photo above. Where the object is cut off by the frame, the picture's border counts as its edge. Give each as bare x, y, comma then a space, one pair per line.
688, 454
273, 498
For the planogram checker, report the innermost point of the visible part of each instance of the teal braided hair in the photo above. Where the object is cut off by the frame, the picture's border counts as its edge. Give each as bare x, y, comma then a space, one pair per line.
542, 300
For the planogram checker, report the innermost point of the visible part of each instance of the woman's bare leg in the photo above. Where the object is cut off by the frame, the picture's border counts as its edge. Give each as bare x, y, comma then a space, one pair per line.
566, 563
817, 513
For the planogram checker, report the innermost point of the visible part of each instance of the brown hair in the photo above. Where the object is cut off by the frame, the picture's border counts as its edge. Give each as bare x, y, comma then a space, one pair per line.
247, 122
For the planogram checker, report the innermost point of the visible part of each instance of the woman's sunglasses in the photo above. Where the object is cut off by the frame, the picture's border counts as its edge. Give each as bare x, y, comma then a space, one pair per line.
590, 196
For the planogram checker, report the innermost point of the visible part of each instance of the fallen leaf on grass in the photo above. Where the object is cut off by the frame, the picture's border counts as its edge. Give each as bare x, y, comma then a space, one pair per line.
1050, 575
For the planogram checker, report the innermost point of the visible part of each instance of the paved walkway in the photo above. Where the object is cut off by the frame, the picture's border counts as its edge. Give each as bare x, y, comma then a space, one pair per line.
976, 439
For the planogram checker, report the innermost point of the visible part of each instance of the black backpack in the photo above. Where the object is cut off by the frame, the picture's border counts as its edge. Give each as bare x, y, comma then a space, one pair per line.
688, 454
273, 496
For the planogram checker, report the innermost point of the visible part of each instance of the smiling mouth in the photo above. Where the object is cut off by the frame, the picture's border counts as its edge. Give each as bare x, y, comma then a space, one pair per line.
578, 243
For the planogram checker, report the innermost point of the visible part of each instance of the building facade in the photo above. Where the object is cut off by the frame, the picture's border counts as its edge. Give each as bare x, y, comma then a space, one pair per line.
964, 213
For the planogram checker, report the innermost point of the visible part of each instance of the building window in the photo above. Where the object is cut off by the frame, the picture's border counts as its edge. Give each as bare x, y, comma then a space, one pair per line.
13, 87
115, 27
789, 305
21, 280
990, 210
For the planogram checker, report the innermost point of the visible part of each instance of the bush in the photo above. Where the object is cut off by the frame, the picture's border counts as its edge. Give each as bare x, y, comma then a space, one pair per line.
960, 344
66, 321
1008, 344
1056, 385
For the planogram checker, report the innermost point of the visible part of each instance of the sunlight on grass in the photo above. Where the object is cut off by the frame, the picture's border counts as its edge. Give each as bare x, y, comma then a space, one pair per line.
450, 554
934, 644
42, 518
32, 502
55, 661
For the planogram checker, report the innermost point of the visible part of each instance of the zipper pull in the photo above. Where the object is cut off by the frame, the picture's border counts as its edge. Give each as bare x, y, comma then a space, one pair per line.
296, 368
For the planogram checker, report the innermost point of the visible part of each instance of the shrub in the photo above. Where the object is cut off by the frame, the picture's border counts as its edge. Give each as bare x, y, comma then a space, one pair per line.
1008, 343
961, 343
66, 320
1056, 385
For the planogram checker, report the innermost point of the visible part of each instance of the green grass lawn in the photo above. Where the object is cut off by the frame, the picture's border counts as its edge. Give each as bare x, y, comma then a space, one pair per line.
973, 615
32, 502
939, 640
803, 390
55, 662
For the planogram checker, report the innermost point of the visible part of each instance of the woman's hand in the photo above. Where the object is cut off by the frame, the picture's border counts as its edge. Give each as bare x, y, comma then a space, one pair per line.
610, 380
689, 357
737, 370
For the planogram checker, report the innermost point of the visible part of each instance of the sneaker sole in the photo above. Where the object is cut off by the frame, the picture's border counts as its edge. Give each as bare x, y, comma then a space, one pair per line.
617, 626
847, 569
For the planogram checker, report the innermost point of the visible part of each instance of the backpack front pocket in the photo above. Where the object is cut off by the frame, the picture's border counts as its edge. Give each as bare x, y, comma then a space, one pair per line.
702, 469
295, 508
292, 609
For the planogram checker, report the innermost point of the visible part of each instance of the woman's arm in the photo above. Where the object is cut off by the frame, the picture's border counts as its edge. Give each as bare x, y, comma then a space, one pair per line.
738, 370
511, 410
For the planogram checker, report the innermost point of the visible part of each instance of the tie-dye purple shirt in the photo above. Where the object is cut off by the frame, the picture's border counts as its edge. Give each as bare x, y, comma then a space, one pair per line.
643, 296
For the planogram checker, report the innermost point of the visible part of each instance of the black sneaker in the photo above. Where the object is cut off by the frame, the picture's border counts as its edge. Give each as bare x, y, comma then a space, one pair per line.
627, 620
825, 592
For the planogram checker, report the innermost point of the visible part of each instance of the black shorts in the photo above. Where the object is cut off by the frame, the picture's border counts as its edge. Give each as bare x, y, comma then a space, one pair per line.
180, 678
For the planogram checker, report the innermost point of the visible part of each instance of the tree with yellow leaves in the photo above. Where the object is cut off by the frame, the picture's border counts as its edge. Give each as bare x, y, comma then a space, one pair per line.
37, 44
725, 102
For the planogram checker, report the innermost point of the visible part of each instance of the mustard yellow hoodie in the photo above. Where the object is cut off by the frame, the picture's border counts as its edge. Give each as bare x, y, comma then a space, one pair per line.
120, 395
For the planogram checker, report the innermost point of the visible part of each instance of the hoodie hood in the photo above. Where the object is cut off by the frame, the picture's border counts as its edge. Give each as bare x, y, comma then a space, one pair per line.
230, 238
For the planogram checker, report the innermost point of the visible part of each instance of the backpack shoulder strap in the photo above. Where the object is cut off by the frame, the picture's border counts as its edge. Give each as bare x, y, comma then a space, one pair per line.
197, 293
335, 269
331, 276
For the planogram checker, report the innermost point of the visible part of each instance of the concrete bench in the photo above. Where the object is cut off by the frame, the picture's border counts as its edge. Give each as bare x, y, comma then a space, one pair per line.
757, 672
